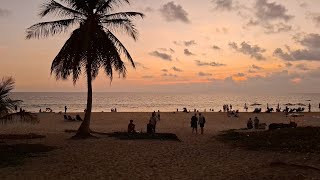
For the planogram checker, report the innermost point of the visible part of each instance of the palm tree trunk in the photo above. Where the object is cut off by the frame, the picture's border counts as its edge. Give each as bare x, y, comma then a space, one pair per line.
84, 129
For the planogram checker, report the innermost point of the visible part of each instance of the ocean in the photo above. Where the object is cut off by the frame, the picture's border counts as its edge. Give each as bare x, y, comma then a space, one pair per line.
165, 102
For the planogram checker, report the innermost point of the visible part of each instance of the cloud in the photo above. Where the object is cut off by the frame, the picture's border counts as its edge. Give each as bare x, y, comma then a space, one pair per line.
302, 67
288, 64
4, 12
188, 53
254, 51
316, 19
256, 67
266, 11
138, 64
204, 74
189, 43
223, 4
169, 75
147, 77
216, 47
164, 56
240, 75
172, 12
311, 50
252, 71
167, 50
176, 69
272, 17
214, 64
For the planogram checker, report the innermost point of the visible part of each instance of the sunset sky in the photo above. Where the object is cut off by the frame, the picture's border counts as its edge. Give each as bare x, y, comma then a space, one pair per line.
184, 46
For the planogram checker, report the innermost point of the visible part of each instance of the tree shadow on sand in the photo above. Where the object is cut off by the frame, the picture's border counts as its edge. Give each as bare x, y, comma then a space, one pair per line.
135, 136
14, 155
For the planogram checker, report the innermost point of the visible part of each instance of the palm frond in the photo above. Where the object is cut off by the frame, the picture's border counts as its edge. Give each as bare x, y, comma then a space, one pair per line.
7, 105
55, 8
123, 15
122, 25
44, 29
121, 47
108, 5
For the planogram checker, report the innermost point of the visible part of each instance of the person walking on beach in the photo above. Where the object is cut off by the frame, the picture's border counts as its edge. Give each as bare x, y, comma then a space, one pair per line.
194, 123
153, 121
202, 121
65, 109
158, 115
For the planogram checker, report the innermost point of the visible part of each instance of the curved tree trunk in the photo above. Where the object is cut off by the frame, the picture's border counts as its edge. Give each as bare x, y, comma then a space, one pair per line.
84, 129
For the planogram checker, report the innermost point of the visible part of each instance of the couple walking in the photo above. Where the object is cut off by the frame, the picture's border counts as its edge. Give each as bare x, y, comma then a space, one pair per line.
201, 120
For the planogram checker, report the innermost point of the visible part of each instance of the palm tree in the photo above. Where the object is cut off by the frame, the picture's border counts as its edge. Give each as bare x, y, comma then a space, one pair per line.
8, 105
92, 45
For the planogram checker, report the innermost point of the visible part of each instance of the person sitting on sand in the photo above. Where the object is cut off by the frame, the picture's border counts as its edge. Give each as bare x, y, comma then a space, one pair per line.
70, 118
256, 123
194, 123
149, 128
78, 118
131, 127
250, 124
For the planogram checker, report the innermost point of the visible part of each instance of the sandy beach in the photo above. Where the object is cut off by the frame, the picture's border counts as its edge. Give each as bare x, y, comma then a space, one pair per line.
195, 157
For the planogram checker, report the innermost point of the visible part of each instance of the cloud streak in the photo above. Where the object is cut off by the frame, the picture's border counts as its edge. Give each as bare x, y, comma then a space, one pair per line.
163, 56
254, 51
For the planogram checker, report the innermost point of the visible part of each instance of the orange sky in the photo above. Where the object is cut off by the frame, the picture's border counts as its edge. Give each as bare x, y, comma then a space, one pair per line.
244, 55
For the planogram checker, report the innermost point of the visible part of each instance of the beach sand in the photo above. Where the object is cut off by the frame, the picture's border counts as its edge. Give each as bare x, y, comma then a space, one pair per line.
195, 157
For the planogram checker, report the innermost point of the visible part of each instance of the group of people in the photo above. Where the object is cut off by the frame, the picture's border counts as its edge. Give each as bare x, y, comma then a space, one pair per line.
151, 126
253, 124
227, 108
201, 120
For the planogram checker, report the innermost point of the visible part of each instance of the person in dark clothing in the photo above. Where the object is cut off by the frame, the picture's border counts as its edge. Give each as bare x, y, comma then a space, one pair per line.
65, 109
194, 123
149, 128
131, 127
250, 124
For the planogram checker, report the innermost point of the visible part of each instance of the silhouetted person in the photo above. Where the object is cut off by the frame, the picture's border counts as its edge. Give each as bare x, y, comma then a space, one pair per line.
131, 127
256, 123
16, 108
153, 120
309, 107
194, 123
78, 118
149, 128
250, 124
158, 115
202, 121
65, 109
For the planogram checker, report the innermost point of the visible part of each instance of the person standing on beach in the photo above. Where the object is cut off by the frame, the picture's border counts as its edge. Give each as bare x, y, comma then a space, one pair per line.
202, 121
153, 121
65, 109
158, 115
309, 107
194, 123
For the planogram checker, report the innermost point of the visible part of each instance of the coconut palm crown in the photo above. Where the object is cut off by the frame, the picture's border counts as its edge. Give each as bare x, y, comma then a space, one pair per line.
92, 44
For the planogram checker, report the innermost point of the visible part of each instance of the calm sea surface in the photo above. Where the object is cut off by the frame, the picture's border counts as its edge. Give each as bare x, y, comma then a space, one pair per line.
147, 102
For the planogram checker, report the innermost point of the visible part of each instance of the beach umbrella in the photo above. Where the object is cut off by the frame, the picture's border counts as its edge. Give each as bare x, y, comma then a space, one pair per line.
255, 104
300, 104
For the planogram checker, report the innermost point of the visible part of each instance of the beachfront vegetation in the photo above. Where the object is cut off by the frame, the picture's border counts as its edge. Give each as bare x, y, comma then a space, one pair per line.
8, 106
92, 45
